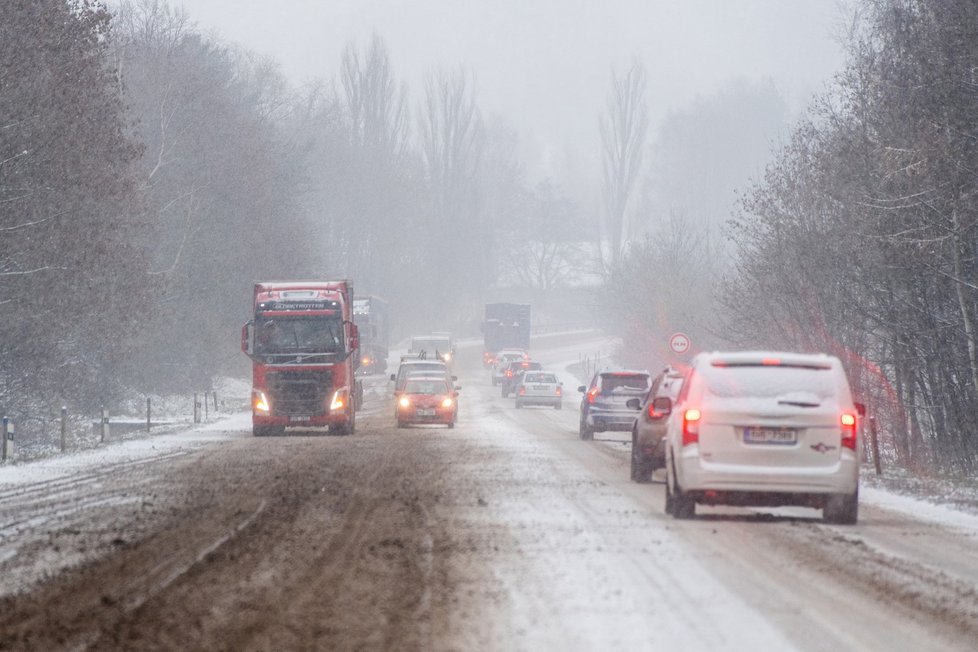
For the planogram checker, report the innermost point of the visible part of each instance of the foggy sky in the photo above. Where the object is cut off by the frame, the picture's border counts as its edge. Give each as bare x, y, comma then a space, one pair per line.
546, 64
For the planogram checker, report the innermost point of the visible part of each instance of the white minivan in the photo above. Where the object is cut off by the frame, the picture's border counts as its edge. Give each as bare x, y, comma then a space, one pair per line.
763, 429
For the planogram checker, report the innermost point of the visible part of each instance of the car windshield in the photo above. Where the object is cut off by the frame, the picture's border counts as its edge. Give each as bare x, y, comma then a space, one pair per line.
426, 386
288, 336
767, 381
540, 378
624, 382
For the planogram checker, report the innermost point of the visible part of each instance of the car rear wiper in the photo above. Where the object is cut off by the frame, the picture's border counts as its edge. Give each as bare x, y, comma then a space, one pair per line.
804, 404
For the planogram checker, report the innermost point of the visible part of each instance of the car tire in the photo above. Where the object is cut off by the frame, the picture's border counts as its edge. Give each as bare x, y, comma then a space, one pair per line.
641, 470
841, 509
680, 506
401, 424
451, 424
585, 431
504, 393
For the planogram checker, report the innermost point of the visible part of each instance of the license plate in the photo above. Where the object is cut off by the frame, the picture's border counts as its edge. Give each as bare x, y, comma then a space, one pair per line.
426, 412
299, 419
540, 388
785, 436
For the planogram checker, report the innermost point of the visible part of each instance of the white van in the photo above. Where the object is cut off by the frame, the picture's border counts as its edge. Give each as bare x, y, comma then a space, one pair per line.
766, 429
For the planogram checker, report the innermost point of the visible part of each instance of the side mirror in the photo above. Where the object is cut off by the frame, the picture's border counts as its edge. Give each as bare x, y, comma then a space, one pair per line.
354, 337
394, 377
454, 377
633, 403
582, 389
860, 409
246, 341
457, 387
661, 408
456, 393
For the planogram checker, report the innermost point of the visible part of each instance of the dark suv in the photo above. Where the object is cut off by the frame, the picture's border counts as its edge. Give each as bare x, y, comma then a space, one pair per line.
513, 373
604, 405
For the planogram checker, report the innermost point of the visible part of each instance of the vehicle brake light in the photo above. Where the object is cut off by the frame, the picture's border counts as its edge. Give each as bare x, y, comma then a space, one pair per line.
848, 430
522, 391
653, 413
593, 394
509, 373
771, 362
447, 403
691, 427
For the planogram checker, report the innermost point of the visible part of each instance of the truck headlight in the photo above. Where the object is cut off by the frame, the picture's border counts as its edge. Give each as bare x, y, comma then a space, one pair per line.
339, 400
259, 402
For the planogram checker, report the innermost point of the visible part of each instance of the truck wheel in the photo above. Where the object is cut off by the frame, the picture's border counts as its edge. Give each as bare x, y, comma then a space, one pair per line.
451, 424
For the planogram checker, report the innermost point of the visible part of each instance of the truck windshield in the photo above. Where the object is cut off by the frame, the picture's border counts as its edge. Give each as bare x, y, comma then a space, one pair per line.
298, 337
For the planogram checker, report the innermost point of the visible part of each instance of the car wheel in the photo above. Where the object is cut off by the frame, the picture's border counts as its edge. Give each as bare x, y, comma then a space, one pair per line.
400, 424
451, 424
585, 431
640, 471
679, 505
504, 392
842, 509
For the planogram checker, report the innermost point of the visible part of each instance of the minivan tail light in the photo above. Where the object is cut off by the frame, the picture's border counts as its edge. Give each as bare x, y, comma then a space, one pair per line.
691, 426
848, 430
593, 394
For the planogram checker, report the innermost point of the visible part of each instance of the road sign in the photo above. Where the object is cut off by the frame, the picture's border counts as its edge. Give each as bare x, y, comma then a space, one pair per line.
680, 343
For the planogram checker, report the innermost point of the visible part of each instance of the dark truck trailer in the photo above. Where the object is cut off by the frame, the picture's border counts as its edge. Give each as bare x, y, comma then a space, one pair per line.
371, 316
506, 326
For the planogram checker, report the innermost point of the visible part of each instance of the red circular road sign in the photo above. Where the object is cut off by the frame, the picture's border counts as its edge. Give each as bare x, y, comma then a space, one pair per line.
680, 343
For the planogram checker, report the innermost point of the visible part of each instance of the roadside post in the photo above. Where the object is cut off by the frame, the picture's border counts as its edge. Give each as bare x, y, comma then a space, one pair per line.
64, 427
103, 424
196, 408
149, 408
5, 433
206, 410
875, 441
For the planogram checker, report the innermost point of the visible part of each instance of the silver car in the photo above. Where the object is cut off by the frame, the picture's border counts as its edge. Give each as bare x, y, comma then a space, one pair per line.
539, 388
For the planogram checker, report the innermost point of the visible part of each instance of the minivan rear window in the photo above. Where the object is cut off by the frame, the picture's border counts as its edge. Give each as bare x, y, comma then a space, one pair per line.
767, 381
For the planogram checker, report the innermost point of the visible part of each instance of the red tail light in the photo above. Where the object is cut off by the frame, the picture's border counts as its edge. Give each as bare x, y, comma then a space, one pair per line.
593, 394
848, 430
691, 427
522, 391
509, 373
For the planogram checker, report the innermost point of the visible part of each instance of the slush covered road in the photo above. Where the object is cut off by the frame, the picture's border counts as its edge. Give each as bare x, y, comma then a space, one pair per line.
507, 532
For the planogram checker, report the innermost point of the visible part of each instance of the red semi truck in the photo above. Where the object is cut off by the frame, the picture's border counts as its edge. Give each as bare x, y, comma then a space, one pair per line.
304, 350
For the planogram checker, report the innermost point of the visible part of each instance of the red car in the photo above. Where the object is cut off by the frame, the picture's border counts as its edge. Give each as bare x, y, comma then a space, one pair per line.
427, 400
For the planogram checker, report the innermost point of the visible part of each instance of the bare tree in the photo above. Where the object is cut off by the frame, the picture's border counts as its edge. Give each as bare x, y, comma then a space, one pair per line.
623, 132
452, 147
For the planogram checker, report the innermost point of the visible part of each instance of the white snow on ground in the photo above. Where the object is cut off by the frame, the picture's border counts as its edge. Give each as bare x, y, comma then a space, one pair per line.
224, 428
919, 509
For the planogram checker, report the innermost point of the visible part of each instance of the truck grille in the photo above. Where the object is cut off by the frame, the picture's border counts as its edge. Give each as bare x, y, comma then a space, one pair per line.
299, 393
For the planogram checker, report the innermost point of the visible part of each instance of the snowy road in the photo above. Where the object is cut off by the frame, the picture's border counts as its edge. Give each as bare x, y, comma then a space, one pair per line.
507, 532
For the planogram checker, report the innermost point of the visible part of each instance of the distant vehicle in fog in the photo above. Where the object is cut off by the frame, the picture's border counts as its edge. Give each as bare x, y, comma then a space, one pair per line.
503, 359
505, 326
539, 388
513, 373
436, 346
765, 429
604, 404
371, 316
